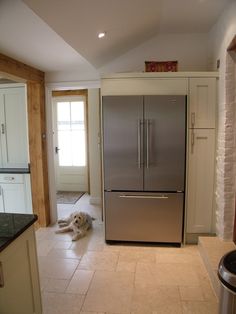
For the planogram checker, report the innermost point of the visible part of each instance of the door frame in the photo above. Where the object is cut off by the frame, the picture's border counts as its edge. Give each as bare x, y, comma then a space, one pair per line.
67, 93
59, 87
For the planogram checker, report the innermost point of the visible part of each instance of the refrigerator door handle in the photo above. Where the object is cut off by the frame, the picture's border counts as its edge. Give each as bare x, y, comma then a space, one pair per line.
145, 196
139, 143
147, 143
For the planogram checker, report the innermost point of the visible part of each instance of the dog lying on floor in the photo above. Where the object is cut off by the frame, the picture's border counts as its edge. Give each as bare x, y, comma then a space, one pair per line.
78, 222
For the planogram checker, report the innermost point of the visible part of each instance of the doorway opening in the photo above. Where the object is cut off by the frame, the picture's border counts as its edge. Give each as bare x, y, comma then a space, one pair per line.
70, 134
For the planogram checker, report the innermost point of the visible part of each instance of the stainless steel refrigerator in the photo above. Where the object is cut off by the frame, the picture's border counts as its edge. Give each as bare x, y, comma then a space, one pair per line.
144, 149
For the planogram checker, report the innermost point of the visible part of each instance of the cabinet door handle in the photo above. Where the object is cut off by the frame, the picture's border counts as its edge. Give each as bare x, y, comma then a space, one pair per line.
193, 119
192, 142
9, 178
201, 137
1, 276
3, 128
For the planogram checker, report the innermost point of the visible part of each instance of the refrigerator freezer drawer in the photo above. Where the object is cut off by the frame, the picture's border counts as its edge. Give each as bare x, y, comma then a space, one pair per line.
144, 217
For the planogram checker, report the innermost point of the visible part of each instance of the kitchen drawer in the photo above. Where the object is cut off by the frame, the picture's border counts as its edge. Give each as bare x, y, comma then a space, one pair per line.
11, 178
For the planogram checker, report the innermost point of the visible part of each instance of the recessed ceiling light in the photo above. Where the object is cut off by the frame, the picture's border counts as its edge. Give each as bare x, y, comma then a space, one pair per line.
101, 35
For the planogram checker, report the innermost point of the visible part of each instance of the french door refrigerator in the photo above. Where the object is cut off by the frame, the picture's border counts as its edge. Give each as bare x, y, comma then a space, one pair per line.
144, 149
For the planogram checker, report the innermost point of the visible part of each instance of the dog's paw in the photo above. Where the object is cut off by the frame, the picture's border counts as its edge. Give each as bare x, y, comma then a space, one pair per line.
76, 237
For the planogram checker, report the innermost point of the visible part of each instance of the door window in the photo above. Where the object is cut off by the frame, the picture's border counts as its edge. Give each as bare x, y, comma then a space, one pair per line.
71, 133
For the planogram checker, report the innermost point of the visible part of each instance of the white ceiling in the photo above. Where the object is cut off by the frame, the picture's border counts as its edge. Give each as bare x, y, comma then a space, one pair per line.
62, 35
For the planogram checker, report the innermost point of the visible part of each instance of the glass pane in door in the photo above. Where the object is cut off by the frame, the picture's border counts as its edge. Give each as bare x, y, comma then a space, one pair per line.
71, 133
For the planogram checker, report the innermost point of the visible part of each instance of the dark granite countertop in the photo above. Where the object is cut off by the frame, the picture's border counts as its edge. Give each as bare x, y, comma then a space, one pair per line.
14, 170
13, 225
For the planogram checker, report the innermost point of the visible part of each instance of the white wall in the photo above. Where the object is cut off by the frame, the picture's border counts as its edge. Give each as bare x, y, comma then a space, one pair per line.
191, 51
94, 146
84, 73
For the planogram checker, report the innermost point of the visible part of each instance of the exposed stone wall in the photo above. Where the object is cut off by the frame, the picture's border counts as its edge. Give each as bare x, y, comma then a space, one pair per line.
226, 155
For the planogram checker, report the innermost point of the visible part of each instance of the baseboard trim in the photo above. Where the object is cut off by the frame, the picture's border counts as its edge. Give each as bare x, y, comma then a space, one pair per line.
95, 200
192, 238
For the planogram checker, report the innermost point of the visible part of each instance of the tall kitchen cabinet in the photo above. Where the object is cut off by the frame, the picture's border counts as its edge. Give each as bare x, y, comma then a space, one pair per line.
201, 157
200, 89
13, 121
15, 187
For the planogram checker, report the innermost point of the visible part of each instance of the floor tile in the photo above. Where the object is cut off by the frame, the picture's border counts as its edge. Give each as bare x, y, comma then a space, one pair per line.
199, 307
55, 285
150, 275
61, 253
110, 292
156, 299
80, 282
99, 261
191, 293
128, 255
60, 303
58, 268
126, 266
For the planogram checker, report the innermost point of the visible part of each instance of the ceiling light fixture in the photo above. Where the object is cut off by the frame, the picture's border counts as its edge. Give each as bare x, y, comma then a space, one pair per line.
101, 35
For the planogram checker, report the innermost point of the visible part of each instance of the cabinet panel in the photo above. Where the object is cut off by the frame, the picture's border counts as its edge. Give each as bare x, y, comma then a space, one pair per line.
21, 290
202, 93
14, 198
144, 86
15, 193
14, 143
201, 165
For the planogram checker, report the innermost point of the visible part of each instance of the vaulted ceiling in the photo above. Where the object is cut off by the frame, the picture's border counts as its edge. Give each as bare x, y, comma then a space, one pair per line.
57, 34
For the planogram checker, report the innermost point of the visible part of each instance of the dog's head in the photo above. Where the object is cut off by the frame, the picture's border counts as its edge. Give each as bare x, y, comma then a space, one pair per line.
79, 219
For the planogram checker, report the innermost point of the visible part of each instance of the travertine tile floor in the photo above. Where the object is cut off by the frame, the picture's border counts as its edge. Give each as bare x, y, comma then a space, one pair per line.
91, 277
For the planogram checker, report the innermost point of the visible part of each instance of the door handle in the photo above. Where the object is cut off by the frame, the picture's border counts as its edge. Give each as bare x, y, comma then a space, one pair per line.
139, 143
57, 150
3, 128
192, 142
147, 143
144, 196
193, 119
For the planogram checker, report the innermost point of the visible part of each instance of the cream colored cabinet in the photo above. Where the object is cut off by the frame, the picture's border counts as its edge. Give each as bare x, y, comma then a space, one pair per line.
15, 193
201, 157
19, 279
13, 132
201, 165
202, 102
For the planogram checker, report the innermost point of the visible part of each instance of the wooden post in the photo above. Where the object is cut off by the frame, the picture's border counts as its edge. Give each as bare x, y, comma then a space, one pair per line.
37, 148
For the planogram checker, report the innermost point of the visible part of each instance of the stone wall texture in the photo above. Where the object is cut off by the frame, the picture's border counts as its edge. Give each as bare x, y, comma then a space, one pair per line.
226, 155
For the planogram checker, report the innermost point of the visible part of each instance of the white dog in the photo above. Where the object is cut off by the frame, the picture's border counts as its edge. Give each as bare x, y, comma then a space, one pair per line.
78, 222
